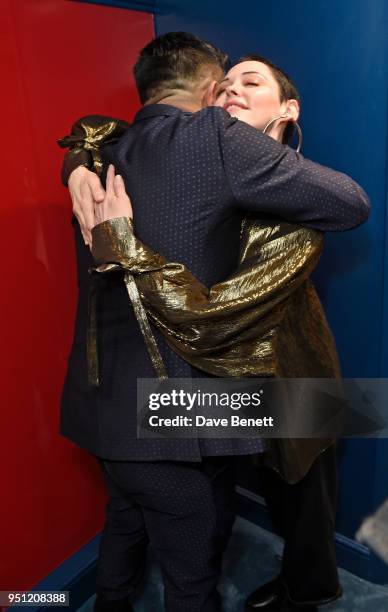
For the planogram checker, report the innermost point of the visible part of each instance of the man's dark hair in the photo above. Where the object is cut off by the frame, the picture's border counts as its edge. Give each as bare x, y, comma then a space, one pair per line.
174, 61
287, 89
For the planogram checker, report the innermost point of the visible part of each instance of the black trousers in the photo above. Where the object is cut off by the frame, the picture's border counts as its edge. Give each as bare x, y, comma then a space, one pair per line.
304, 515
185, 510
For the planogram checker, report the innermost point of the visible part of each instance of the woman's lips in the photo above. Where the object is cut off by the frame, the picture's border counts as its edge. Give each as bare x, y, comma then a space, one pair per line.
231, 107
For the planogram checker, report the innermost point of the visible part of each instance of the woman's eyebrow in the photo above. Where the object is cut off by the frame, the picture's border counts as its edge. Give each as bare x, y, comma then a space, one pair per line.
248, 72
255, 72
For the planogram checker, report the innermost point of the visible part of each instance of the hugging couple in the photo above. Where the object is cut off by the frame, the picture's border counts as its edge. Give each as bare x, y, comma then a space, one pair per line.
200, 246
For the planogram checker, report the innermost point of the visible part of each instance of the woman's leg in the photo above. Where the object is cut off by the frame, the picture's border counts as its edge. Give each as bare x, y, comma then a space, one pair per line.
304, 514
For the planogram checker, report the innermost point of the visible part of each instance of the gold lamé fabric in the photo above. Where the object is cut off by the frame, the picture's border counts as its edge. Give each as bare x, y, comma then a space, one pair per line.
264, 320
85, 140
134, 259
235, 327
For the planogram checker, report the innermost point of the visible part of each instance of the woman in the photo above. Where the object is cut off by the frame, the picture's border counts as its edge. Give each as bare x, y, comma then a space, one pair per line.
265, 320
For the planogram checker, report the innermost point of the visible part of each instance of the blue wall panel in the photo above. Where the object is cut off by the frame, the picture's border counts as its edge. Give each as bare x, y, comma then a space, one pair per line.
336, 52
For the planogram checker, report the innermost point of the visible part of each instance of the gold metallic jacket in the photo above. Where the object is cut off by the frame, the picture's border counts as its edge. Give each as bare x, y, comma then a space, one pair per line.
264, 320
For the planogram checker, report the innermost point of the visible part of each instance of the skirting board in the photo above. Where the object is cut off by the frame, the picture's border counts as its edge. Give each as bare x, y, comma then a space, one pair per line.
77, 575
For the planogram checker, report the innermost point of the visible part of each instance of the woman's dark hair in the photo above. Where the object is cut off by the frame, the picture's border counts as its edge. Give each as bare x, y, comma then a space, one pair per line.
174, 61
287, 88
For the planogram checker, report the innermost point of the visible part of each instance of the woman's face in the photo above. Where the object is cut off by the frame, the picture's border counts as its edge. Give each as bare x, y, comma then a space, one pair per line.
251, 93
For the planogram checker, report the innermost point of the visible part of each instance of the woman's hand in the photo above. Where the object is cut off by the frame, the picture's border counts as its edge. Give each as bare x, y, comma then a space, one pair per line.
85, 191
116, 202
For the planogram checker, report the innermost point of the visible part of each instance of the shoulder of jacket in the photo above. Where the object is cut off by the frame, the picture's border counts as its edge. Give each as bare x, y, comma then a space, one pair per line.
217, 115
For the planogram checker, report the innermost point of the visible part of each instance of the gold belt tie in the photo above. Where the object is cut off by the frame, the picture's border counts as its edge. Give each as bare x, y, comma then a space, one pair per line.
143, 322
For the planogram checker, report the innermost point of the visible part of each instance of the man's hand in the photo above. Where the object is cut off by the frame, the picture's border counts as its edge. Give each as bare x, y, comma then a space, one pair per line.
86, 191
116, 202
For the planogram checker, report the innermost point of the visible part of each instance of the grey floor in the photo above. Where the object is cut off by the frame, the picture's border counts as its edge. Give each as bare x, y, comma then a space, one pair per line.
252, 559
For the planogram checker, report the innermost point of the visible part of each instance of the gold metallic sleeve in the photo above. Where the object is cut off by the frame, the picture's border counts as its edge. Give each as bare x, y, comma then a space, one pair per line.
264, 320
87, 136
232, 328
114, 242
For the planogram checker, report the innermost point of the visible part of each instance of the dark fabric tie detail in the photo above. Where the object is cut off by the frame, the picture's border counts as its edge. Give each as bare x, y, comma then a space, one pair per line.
91, 339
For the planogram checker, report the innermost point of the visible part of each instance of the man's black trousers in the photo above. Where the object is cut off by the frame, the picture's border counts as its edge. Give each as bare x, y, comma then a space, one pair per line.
185, 510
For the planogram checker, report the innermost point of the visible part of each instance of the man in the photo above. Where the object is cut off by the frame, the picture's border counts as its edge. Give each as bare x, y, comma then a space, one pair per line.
180, 167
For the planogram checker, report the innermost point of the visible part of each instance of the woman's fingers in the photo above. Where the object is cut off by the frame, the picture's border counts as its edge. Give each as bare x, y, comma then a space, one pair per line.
87, 206
110, 175
83, 204
123, 198
98, 192
119, 187
116, 202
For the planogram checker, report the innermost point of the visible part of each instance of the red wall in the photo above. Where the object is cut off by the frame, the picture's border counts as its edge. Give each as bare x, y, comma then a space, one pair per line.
63, 59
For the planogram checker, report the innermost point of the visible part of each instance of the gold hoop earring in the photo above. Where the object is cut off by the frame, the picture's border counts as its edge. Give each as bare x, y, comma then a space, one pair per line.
300, 136
273, 121
296, 124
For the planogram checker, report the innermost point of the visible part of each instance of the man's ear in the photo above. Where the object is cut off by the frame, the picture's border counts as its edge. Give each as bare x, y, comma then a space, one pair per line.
209, 97
293, 109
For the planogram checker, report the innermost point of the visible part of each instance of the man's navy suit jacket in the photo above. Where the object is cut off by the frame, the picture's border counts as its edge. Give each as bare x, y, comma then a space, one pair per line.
191, 178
